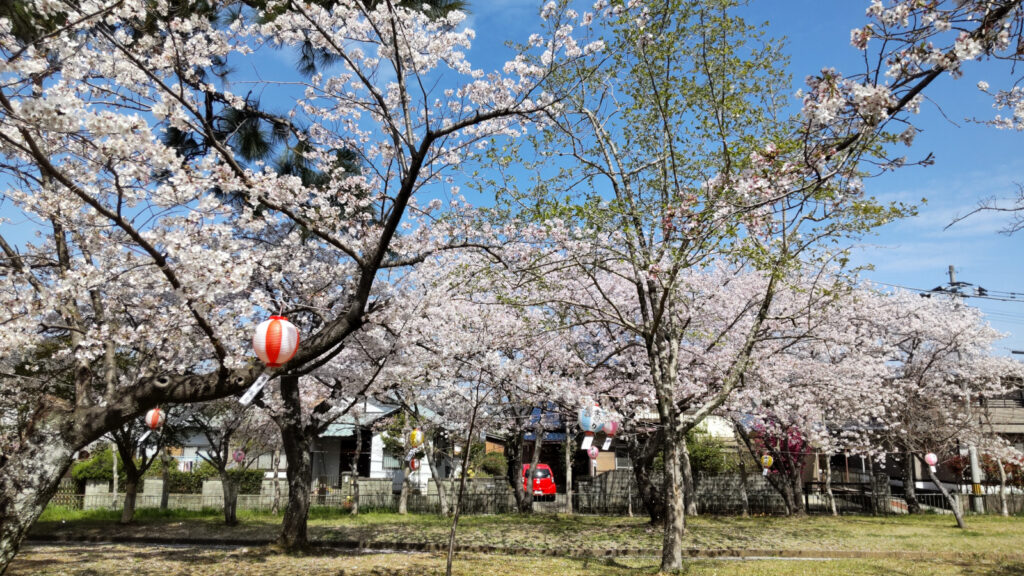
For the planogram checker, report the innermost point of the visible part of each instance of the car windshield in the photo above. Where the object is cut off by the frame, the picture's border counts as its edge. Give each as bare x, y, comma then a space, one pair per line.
541, 473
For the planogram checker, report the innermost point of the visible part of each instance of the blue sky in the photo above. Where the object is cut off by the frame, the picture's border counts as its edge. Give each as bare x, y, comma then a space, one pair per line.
971, 161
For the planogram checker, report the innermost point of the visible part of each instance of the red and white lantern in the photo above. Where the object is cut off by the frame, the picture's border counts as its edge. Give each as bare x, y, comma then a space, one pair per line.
931, 460
593, 452
238, 456
275, 341
610, 428
414, 464
155, 418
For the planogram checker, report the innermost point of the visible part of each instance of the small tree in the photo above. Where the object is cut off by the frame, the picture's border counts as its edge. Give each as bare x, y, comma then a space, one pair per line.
236, 437
138, 448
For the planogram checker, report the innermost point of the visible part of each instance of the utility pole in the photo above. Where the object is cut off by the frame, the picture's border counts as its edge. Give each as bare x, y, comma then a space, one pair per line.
977, 500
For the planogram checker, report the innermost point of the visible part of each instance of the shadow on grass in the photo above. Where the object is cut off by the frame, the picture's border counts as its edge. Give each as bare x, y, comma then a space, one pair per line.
998, 569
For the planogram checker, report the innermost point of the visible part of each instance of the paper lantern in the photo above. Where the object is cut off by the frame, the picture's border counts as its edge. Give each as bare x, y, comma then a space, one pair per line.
415, 437
155, 418
766, 463
238, 456
593, 452
931, 460
414, 464
609, 429
598, 419
591, 420
275, 341
458, 450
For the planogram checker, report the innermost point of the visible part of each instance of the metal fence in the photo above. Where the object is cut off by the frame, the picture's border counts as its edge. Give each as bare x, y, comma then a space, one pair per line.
613, 493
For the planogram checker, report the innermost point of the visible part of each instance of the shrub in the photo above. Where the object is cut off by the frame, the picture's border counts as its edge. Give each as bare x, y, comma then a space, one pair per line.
493, 464
249, 481
99, 468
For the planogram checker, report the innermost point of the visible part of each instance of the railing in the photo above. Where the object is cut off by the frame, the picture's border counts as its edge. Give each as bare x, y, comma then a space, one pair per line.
1004, 402
608, 494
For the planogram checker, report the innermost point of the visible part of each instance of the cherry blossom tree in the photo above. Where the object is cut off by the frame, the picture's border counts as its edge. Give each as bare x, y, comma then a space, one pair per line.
907, 46
938, 353
236, 437
139, 447
672, 153
166, 259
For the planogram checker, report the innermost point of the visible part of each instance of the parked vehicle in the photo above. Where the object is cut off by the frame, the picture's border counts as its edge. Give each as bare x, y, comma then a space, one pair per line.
543, 481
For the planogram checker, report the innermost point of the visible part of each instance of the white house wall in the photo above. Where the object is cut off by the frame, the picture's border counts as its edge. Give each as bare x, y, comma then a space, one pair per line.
377, 457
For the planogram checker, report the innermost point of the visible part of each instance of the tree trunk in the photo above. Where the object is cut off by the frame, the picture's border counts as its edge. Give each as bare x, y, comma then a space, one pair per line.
29, 477
785, 488
514, 457
538, 441
299, 473
569, 445
642, 453
800, 504
165, 475
742, 464
403, 498
275, 504
689, 489
1004, 506
442, 496
954, 504
230, 486
777, 479
354, 465
131, 490
909, 484
462, 489
675, 510
828, 486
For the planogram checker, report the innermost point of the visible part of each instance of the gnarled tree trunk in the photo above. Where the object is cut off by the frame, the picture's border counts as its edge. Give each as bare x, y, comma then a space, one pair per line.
642, 453
675, 510
296, 444
29, 477
230, 488
131, 492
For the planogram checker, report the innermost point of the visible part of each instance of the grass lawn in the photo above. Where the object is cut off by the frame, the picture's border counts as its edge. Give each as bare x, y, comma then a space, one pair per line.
119, 559
988, 537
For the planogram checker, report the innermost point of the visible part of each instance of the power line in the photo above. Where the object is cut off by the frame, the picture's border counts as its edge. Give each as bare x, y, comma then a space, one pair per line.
942, 290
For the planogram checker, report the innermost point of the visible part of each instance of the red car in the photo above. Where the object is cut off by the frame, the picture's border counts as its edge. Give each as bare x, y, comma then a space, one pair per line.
543, 480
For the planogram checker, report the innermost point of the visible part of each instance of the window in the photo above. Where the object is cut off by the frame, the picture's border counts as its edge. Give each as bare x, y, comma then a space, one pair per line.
622, 459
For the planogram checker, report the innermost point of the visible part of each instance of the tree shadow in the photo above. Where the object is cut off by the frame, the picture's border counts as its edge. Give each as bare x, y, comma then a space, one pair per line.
1008, 568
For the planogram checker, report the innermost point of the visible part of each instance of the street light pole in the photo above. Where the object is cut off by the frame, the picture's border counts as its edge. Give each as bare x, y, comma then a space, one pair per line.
977, 500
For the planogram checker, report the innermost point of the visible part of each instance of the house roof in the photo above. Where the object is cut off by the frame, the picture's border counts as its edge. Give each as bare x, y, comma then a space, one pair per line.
371, 412
346, 425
